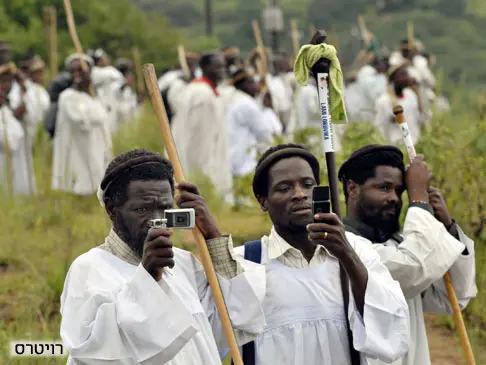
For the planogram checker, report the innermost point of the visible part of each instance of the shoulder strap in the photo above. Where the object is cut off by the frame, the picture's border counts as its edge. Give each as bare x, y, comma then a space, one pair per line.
355, 357
253, 252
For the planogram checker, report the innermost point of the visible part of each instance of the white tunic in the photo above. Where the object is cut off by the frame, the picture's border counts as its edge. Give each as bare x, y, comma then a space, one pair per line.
81, 147
127, 106
371, 85
12, 137
107, 82
385, 120
36, 99
114, 312
305, 315
201, 136
418, 264
246, 128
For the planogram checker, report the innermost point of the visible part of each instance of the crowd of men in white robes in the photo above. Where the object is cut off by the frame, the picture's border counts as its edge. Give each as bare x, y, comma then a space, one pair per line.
81, 110
223, 110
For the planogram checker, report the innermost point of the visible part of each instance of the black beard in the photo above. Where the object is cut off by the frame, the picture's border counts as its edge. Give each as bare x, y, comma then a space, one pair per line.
374, 217
133, 241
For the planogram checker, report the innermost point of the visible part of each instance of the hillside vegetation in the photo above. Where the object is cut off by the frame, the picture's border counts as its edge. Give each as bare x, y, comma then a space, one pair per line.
452, 30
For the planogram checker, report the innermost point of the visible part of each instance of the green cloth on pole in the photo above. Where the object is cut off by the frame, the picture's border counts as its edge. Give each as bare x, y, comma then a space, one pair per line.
308, 57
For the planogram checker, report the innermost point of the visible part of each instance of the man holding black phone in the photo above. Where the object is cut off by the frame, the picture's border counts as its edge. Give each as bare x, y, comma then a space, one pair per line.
304, 303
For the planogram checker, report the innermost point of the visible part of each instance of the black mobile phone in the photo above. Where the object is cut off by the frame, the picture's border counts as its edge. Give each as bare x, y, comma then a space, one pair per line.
320, 200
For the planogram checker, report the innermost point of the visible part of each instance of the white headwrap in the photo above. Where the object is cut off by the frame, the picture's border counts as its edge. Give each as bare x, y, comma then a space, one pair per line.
100, 194
77, 56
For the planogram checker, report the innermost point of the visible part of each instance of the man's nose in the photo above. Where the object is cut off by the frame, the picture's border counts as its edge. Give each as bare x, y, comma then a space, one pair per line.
300, 193
393, 197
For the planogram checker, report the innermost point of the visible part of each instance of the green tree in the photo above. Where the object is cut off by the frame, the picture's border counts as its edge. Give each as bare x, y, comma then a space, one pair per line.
114, 25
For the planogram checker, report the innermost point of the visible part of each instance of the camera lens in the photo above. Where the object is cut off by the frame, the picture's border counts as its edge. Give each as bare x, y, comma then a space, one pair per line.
180, 219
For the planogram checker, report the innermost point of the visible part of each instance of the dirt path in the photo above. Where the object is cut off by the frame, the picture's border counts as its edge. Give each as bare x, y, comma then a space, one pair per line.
445, 347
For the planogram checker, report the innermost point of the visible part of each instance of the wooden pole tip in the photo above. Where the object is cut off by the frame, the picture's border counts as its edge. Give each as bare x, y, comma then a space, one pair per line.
398, 110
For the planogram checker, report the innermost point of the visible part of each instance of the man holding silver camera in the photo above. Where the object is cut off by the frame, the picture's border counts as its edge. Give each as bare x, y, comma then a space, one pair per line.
136, 299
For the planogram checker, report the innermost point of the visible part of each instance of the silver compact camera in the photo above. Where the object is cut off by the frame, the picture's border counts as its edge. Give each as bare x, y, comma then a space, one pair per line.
175, 219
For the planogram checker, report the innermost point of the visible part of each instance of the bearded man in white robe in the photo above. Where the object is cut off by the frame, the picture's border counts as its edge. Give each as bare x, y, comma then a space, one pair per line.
329, 300
82, 143
136, 299
16, 171
200, 130
432, 243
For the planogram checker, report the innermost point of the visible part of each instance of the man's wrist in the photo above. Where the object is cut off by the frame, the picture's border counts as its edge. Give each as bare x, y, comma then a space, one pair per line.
213, 235
418, 195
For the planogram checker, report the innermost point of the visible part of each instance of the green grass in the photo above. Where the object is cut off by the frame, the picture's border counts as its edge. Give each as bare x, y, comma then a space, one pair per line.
41, 236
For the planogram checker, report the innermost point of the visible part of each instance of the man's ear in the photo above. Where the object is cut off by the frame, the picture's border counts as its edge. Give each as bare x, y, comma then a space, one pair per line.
352, 189
110, 208
263, 203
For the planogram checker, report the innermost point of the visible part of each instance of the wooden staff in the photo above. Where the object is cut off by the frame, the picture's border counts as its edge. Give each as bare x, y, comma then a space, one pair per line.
138, 69
295, 37
261, 48
75, 39
312, 30
407, 138
54, 61
411, 40
365, 34
181, 55
50, 23
158, 106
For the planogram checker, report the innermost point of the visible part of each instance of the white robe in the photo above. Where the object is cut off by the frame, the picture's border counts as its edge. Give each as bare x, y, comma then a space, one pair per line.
127, 106
81, 147
305, 316
12, 136
114, 312
166, 79
37, 101
418, 264
176, 94
107, 82
246, 129
371, 85
385, 120
201, 136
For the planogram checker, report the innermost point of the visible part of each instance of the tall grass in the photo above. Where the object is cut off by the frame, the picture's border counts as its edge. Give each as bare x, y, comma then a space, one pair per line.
41, 235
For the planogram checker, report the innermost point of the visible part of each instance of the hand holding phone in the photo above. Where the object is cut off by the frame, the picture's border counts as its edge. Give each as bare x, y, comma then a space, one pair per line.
320, 200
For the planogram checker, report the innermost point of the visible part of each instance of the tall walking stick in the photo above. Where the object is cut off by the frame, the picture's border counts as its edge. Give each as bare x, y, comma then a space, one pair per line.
138, 69
158, 106
75, 39
320, 66
407, 138
320, 70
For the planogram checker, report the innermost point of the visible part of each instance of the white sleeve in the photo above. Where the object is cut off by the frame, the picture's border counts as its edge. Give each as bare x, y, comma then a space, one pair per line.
256, 122
8, 133
383, 332
140, 321
426, 253
463, 275
243, 295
